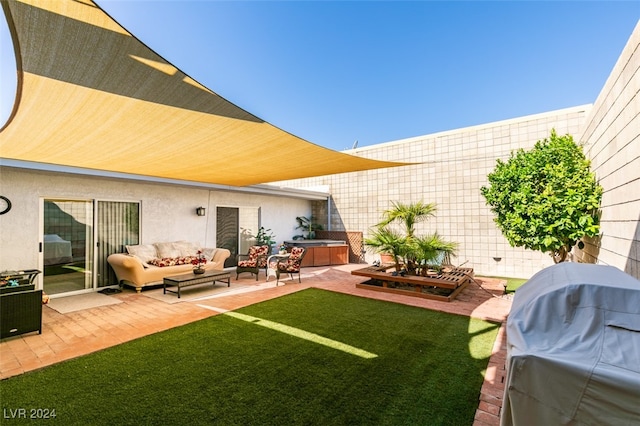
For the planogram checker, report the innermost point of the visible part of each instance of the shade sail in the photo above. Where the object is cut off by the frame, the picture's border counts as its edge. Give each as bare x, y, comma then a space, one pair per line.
91, 95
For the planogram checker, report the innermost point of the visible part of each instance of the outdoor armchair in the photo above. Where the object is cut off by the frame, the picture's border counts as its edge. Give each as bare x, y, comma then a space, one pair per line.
253, 261
290, 265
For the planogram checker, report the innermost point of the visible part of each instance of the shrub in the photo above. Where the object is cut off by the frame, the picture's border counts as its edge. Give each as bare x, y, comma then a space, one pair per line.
545, 199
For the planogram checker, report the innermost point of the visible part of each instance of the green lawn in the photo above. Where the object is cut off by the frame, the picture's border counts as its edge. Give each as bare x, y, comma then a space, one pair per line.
512, 283
270, 367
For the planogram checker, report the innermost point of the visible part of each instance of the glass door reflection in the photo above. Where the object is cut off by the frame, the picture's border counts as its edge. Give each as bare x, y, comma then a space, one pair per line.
68, 246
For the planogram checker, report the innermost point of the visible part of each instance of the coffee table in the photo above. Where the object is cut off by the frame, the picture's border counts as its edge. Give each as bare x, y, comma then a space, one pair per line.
186, 280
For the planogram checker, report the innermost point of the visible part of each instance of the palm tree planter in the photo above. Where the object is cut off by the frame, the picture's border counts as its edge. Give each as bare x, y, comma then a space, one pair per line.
420, 263
416, 255
443, 287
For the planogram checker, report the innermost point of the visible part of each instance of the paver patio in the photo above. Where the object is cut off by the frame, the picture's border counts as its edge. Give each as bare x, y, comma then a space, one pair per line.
67, 336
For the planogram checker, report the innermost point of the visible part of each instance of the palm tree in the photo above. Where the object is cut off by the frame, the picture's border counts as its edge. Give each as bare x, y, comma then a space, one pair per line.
386, 240
408, 250
431, 250
408, 215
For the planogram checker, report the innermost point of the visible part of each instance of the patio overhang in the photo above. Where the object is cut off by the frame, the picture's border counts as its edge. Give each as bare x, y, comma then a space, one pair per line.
90, 95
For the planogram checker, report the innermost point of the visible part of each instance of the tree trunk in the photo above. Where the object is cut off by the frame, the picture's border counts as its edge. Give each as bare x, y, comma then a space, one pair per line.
560, 255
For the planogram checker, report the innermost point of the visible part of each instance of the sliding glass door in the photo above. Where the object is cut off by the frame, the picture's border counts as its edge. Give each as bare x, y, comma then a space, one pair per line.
72, 262
236, 227
118, 226
67, 246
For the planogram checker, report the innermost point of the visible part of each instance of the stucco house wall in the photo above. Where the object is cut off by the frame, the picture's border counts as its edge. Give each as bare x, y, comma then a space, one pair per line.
612, 142
167, 210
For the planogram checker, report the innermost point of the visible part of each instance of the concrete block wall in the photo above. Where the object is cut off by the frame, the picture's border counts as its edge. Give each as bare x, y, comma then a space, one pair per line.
612, 141
450, 168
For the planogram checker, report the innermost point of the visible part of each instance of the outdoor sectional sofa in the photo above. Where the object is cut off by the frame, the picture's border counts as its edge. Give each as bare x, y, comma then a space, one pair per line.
147, 264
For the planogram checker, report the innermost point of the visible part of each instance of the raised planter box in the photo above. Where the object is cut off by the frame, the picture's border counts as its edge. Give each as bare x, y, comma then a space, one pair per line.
444, 287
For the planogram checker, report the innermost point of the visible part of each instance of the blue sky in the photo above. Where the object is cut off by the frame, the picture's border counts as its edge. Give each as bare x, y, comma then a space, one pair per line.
335, 72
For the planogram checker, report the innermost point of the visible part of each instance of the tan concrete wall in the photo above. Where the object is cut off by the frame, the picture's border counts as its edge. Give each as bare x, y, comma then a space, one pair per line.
451, 168
612, 141
454, 165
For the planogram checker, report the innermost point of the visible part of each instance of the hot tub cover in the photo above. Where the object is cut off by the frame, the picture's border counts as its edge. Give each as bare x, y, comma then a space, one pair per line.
573, 348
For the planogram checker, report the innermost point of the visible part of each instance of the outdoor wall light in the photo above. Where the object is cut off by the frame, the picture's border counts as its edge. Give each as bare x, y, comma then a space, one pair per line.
201, 211
497, 259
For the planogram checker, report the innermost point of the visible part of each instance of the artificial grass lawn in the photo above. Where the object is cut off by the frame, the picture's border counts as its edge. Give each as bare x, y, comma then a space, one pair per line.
223, 370
514, 283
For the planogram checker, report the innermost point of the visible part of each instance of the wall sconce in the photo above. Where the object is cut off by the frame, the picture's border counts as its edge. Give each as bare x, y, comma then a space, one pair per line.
201, 211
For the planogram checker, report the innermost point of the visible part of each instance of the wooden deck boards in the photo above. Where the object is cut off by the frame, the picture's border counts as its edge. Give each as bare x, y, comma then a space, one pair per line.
452, 281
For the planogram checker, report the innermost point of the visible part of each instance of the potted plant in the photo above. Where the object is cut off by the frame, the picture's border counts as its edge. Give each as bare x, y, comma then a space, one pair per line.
384, 240
307, 224
265, 237
198, 262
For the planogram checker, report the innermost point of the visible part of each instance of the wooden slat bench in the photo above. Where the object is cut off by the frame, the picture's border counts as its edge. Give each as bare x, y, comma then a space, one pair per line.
445, 286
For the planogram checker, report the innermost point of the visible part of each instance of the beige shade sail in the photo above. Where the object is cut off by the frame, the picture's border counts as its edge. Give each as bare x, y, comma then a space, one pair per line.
91, 95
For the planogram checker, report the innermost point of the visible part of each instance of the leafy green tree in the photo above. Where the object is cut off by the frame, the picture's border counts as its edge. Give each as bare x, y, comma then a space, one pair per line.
547, 198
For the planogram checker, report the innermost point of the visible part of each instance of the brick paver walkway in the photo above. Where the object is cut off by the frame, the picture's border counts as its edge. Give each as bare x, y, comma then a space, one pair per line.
78, 333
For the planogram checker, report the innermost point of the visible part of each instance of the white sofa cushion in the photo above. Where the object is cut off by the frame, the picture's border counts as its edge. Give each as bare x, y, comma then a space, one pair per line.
209, 253
144, 252
186, 248
167, 250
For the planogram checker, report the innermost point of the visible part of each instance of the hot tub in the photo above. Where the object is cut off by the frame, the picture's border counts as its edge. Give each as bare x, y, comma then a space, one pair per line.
314, 243
322, 252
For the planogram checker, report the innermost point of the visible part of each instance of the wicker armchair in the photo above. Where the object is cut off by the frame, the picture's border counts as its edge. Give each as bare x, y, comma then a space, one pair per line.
290, 265
253, 261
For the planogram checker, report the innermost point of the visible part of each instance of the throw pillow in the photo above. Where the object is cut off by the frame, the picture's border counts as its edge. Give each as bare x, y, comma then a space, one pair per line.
173, 261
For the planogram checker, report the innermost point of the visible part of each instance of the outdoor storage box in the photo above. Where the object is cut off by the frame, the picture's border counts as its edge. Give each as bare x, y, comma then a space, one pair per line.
20, 311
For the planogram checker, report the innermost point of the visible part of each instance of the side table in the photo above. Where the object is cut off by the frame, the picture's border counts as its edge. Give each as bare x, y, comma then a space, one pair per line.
272, 272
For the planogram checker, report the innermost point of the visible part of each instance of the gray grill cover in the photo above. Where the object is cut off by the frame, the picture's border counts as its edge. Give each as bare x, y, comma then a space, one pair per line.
573, 348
